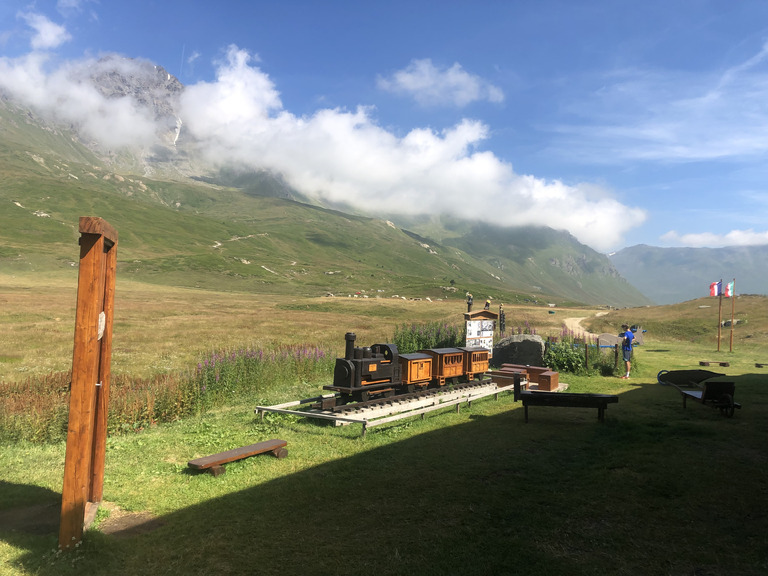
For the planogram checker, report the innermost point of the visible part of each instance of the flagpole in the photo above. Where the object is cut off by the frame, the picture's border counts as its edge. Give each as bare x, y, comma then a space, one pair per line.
720, 315
733, 308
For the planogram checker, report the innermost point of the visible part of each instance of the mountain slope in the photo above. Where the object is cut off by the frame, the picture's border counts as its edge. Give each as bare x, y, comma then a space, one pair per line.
670, 275
549, 262
233, 230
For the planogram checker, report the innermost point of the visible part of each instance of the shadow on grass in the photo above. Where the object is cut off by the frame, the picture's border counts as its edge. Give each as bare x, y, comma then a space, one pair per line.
29, 509
655, 489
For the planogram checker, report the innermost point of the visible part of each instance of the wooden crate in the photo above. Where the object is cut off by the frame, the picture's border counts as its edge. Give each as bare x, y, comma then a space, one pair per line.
507, 378
549, 381
533, 371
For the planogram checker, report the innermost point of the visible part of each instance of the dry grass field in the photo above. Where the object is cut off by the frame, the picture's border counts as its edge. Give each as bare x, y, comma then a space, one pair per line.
163, 329
160, 329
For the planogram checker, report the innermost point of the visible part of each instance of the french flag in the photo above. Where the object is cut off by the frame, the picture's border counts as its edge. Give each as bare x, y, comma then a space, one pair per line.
716, 288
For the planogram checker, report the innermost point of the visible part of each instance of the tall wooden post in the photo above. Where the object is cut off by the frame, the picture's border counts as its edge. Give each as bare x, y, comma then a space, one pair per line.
733, 309
89, 394
720, 315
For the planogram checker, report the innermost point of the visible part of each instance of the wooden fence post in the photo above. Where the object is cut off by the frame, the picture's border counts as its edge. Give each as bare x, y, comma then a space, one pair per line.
586, 355
89, 392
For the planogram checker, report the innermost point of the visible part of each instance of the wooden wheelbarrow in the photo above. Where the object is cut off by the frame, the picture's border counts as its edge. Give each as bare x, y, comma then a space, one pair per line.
695, 384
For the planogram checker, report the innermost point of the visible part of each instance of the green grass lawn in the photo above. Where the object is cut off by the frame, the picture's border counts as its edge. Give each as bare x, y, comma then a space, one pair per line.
655, 489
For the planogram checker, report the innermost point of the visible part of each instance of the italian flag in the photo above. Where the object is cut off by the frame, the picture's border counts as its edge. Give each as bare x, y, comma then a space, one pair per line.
728, 293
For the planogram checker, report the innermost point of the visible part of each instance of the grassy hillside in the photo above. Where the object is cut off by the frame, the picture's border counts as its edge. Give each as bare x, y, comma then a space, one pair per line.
548, 262
257, 237
202, 236
695, 322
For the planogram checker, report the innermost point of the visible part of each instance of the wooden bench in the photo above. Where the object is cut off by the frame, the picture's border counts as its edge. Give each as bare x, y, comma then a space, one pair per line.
565, 399
214, 464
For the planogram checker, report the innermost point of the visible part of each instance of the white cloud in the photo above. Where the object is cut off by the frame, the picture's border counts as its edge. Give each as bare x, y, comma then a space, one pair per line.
48, 34
62, 96
334, 154
429, 85
710, 240
69, 4
672, 116
344, 156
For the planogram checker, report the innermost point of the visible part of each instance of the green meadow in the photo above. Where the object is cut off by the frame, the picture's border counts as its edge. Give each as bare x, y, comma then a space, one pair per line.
655, 489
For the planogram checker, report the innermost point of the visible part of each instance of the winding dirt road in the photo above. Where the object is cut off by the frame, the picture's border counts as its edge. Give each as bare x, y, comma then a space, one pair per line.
574, 324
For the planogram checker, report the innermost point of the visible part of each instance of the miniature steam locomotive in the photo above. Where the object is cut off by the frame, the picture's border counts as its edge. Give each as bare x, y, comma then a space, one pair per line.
380, 371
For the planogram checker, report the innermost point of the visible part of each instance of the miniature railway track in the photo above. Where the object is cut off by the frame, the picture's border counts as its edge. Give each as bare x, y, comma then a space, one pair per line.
380, 411
399, 399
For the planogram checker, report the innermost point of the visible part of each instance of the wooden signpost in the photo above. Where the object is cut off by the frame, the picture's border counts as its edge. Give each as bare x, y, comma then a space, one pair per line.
89, 394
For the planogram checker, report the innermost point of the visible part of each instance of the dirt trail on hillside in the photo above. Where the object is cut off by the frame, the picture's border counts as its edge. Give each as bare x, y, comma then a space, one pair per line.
574, 325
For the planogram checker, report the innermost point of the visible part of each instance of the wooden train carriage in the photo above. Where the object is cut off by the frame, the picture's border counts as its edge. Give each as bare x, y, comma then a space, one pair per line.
415, 370
476, 360
446, 363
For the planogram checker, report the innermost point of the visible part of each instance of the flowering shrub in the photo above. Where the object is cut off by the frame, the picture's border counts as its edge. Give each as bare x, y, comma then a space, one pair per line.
570, 353
228, 374
37, 408
565, 357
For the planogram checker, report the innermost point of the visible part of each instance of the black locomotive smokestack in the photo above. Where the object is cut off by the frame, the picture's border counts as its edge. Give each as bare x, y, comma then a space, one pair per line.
349, 351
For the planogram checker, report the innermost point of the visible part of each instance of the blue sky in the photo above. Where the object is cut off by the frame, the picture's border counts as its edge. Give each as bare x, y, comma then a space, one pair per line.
623, 122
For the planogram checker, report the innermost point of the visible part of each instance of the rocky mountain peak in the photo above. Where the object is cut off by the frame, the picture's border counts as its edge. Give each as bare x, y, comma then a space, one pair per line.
148, 84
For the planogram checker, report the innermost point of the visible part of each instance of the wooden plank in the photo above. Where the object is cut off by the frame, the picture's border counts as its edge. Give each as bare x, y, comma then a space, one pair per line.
237, 454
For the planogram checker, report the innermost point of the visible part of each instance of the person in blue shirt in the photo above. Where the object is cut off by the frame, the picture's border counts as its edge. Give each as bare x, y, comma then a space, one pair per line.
626, 348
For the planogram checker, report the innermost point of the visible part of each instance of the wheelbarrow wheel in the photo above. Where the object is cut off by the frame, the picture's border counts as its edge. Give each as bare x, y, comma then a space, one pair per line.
727, 406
